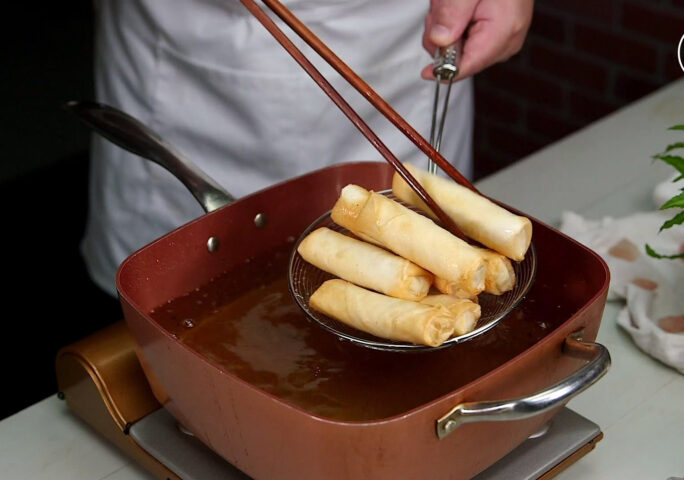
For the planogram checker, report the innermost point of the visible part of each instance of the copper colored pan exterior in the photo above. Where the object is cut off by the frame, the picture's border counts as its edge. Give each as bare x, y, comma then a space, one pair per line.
271, 440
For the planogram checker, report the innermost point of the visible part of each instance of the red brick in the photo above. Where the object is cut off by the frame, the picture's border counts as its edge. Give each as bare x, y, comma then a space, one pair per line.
666, 24
672, 69
525, 83
671, 61
548, 26
491, 103
616, 47
479, 130
484, 157
598, 9
569, 67
629, 87
487, 162
588, 108
514, 143
548, 125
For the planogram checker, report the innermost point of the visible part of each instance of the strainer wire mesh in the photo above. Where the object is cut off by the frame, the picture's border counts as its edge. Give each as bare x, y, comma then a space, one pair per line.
304, 280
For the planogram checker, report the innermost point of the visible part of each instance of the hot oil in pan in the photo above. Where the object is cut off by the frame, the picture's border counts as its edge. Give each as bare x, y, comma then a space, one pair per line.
247, 323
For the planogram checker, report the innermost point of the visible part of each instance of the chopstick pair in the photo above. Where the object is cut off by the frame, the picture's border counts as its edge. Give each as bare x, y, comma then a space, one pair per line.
365, 90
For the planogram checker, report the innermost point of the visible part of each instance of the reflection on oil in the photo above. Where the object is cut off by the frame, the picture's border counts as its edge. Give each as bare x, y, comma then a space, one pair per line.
246, 323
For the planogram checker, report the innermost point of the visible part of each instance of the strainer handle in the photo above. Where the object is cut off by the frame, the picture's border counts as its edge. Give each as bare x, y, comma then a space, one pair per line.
537, 403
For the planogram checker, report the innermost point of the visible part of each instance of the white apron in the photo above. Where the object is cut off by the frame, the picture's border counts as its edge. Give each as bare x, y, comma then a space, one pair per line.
208, 77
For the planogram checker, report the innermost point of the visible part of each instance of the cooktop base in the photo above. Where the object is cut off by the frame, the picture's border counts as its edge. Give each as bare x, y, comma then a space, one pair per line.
568, 437
102, 382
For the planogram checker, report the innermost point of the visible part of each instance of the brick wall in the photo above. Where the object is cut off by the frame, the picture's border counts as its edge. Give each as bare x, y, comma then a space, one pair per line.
582, 60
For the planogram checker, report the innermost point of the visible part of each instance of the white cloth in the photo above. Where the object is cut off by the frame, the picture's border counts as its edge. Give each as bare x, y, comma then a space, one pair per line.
212, 81
653, 289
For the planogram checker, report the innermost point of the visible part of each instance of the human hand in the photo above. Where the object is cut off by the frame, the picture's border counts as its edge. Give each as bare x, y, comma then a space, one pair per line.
495, 30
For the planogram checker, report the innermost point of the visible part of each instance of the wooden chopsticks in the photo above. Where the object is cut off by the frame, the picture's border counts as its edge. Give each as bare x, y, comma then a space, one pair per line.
365, 90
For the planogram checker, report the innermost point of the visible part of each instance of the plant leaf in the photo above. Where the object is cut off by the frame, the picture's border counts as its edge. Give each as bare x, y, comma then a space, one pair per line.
673, 160
676, 201
676, 127
674, 146
676, 220
654, 254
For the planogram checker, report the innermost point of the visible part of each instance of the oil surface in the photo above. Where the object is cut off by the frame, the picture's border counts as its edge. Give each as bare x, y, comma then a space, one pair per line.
247, 323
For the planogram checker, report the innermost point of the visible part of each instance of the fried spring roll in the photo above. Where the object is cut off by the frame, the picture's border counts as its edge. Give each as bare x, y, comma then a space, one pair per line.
365, 265
452, 289
478, 217
466, 312
376, 218
383, 316
499, 276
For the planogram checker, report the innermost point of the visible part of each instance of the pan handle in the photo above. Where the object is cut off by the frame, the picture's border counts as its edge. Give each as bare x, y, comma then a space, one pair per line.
132, 135
537, 403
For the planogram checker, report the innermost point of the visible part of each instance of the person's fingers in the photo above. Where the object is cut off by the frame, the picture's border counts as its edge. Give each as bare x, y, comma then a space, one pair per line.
427, 73
427, 44
498, 32
448, 20
482, 49
445, 22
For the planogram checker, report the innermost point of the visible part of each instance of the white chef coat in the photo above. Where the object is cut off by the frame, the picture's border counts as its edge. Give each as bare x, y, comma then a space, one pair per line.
209, 78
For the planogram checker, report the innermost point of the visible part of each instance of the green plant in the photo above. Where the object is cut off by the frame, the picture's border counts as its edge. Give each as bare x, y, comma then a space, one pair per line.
678, 200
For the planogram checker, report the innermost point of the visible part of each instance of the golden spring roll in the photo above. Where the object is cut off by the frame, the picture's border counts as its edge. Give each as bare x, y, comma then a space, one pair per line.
383, 316
499, 276
376, 218
365, 265
466, 312
452, 289
478, 217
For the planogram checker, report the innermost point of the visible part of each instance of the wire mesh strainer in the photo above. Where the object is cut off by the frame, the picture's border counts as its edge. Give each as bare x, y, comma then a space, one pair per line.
305, 278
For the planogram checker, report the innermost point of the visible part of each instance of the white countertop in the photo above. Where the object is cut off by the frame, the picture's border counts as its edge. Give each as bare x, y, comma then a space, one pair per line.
604, 169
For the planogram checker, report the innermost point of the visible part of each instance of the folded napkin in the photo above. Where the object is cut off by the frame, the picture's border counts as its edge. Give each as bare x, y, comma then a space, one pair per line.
653, 289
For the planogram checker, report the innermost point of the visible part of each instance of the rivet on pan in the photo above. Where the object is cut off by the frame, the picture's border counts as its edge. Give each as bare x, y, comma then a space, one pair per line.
260, 220
213, 244
450, 426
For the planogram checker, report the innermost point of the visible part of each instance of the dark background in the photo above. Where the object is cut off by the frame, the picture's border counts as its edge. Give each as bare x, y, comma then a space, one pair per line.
582, 60
48, 299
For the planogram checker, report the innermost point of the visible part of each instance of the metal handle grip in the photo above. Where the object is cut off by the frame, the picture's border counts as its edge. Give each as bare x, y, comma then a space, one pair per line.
447, 60
132, 135
540, 402
445, 69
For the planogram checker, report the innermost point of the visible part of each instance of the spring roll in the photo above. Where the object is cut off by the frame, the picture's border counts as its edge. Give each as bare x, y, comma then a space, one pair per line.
476, 216
365, 265
452, 289
465, 312
383, 316
378, 219
499, 276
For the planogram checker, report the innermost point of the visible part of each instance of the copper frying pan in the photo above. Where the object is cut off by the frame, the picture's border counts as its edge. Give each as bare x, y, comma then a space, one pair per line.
486, 381
425, 415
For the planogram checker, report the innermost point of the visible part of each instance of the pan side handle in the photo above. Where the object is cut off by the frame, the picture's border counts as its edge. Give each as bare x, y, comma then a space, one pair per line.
130, 134
537, 403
